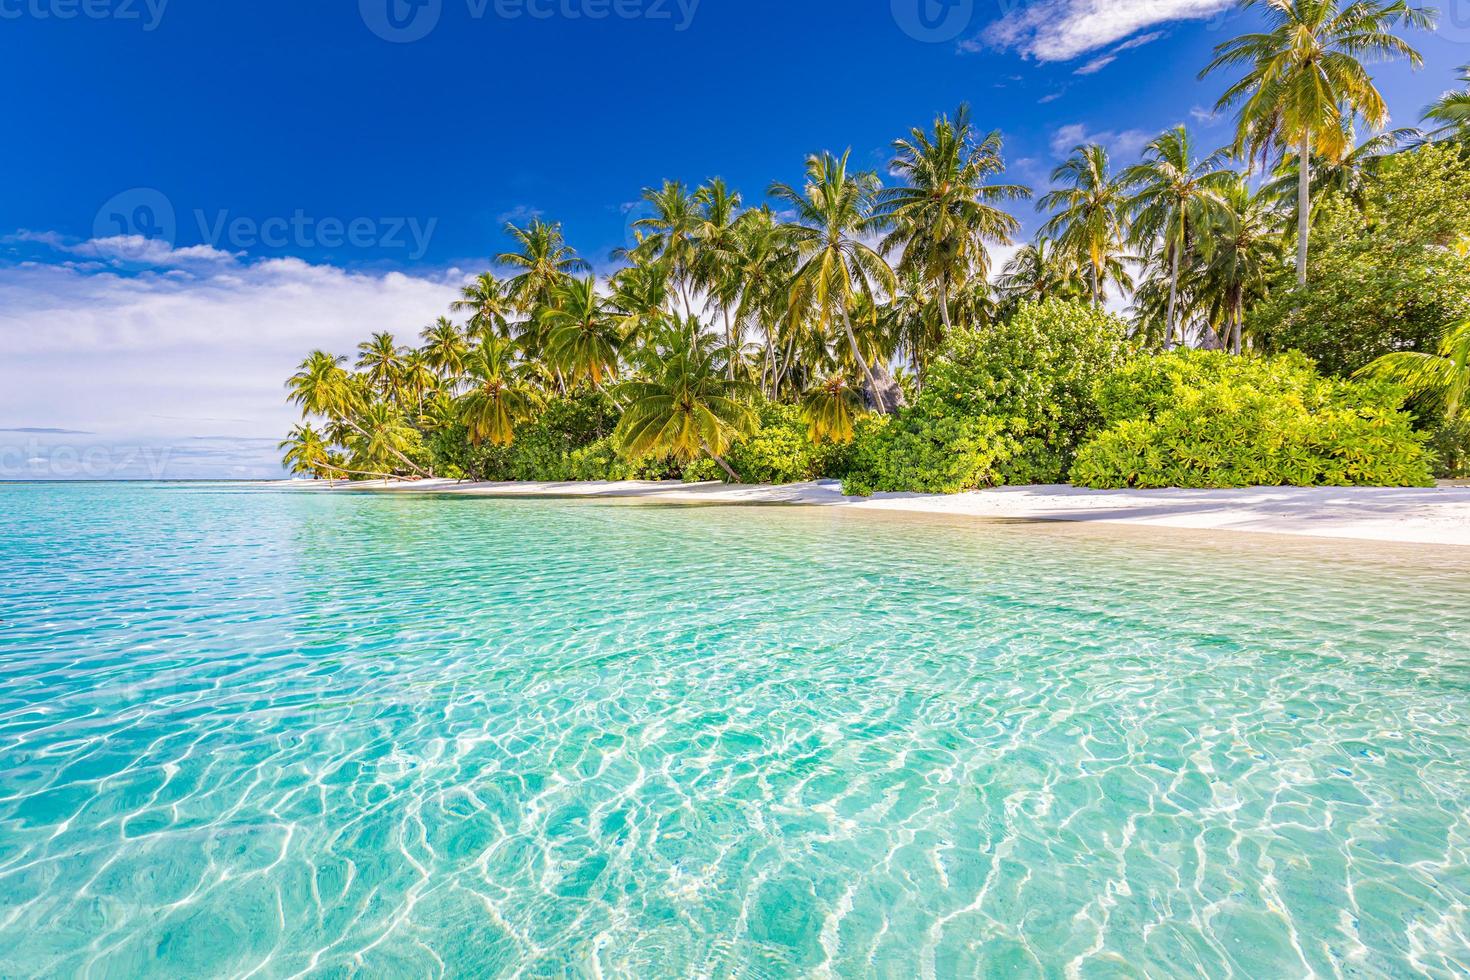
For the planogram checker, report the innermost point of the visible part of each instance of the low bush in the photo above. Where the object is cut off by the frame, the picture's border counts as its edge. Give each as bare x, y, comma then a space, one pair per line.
1036, 372
929, 448
1199, 419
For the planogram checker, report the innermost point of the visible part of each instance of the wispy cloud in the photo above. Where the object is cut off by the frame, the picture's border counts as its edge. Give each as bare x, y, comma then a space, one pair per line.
1124, 143
1060, 30
1096, 65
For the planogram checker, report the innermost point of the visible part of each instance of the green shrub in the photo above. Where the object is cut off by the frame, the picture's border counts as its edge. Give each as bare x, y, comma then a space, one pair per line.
1450, 443
927, 449
1206, 419
1036, 372
779, 452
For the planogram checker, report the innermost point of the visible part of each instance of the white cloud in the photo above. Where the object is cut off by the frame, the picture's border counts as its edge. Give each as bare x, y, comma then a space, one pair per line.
147, 251
1119, 144
199, 351
1060, 30
1096, 65
1052, 97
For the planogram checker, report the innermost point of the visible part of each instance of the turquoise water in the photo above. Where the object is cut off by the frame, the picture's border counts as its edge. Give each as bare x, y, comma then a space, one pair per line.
245, 732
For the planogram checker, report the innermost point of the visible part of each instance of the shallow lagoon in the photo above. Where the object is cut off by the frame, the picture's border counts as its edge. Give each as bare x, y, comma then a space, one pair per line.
244, 730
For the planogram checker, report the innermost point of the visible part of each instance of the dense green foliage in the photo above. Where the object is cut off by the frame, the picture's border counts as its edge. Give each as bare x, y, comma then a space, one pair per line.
1206, 419
1385, 274
854, 325
1034, 373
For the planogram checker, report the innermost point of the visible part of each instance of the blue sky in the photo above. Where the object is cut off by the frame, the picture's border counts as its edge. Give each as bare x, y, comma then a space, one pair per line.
313, 171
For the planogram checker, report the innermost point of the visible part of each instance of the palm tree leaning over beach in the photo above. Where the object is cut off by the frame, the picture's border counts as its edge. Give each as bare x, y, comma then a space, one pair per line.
1088, 214
1305, 82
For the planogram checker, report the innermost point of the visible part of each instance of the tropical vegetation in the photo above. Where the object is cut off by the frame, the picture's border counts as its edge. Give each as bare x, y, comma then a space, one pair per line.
1282, 309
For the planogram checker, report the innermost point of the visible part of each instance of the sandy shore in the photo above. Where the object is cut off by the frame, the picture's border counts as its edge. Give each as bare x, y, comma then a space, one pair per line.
1439, 515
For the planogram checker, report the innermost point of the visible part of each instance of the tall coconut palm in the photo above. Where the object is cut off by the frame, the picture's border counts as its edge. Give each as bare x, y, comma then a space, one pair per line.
717, 259
582, 336
382, 361
1240, 252
1305, 81
837, 268
640, 295
945, 215
670, 234
1041, 270
497, 401
1348, 176
1452, 111
419, 379
1440, 380
445, 349
764, 263
1173, 195
543, 260
1088, 215
486, 299
685, 408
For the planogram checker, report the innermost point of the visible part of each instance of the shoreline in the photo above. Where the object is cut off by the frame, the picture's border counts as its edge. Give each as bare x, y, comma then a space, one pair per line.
1407, 515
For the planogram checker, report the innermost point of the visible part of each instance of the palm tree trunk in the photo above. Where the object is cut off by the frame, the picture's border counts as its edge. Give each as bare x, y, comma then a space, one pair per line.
857, 353
944, 306
1303, 204
730, 344
721, 460
406, 461
1173, 300
1096, 303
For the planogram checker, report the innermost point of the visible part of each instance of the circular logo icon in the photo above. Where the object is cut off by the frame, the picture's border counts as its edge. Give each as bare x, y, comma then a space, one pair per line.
401, 21
934, 21
139, 218
1454, 20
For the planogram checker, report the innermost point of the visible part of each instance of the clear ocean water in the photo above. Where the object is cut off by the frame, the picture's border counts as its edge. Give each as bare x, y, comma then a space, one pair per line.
258, 733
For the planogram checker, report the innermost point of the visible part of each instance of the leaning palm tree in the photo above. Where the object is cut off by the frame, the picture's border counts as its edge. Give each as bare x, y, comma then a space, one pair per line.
945, 214
1452, 111
308, 453
1173, 195
582, 337
1088, 216
1305, 81
498, 400
686, 408
837, 270
382, 436
1439, 381
321, 386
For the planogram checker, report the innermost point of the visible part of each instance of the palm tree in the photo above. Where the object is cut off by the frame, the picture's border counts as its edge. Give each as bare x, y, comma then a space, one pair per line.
1452, 110
1088, 215
944, 216
764, 263
307, 452
543, 259
640, 294
321, 386
1436, 381
382, 435
829, 408
671, 231
1040, 271
383, 362
486, 300
717, 259
418, 377
685, 408
1240, 253
837, 268
498, 401
582, 333
1305, 81
445, 348
1174, 194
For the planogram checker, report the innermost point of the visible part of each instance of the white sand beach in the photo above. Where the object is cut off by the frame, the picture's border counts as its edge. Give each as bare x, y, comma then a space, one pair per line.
1434, 515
